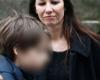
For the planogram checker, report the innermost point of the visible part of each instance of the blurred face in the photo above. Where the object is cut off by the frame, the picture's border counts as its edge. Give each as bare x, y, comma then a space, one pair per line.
34, 59
50, 12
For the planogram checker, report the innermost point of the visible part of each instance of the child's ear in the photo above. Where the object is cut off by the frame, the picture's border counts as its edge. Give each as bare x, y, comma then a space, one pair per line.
15, 50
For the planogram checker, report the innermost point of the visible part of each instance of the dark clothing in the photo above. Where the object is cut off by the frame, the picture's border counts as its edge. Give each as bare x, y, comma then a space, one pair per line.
28, 76
9, 70
58, 69
83, 60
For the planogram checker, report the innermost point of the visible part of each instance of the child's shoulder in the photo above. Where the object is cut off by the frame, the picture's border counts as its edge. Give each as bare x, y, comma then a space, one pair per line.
8, 70
5, 65
5, 69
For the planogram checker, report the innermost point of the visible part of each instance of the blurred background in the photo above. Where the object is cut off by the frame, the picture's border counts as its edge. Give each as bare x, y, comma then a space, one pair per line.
88, 11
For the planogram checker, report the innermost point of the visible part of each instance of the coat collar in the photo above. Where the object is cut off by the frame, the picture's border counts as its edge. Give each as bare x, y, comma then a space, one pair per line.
81, 45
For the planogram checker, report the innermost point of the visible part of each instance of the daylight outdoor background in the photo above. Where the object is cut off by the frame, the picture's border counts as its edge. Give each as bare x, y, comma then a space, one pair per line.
87, 10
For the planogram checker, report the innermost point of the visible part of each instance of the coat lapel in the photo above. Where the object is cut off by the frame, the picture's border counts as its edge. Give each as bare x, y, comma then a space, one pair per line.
81, 45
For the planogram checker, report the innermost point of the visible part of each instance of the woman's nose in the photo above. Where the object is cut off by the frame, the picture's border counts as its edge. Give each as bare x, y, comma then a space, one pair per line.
48, 9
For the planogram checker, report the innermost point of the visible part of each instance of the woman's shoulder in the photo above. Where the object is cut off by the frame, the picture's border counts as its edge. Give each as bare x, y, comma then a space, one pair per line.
88, 40
93, 43
95, 46
83, 44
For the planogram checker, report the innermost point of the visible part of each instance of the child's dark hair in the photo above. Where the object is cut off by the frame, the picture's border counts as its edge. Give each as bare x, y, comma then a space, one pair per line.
20, 31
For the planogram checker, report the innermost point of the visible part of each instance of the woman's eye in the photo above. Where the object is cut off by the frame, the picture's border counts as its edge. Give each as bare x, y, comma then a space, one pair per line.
41, 4
54, 2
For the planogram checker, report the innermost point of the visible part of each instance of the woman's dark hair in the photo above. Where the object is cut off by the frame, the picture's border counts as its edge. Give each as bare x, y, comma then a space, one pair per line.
20, 31
71, 24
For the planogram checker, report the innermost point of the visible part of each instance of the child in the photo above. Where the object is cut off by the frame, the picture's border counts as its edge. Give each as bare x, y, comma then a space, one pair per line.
25, 46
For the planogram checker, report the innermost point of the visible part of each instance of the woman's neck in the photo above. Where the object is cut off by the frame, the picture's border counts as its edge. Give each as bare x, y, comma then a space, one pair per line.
56, 31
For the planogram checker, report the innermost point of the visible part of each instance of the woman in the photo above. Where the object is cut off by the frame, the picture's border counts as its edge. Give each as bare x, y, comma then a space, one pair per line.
76, 49
23, 48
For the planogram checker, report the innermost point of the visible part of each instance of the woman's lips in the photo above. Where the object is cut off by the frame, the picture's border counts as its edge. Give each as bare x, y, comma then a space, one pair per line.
49, 17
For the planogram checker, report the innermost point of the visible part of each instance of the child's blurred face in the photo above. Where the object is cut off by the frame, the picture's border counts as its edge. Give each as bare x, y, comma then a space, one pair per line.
36, 58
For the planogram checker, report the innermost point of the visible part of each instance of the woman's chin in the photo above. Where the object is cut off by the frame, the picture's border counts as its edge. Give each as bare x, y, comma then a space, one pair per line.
50, 23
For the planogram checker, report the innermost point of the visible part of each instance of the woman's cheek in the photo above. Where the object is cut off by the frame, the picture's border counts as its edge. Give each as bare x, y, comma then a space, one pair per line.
39, 10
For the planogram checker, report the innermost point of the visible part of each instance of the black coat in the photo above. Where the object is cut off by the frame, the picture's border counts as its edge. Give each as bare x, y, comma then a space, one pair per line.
84, 60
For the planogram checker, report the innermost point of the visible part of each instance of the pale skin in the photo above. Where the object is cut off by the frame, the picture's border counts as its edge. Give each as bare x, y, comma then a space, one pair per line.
1, 77
51, 13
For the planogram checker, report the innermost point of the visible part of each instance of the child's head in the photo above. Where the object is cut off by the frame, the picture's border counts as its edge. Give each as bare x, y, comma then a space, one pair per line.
25, 41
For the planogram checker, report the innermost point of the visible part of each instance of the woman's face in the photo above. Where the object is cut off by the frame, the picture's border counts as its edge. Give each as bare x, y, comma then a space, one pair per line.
50, 12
